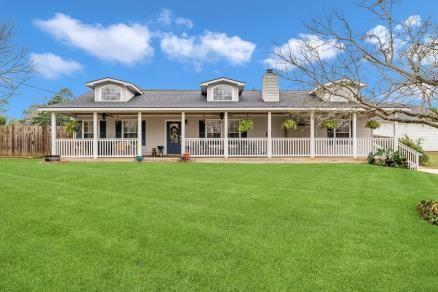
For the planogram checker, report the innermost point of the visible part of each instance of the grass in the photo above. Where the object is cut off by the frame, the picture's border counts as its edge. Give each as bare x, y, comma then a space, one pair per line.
433, 163
167, 226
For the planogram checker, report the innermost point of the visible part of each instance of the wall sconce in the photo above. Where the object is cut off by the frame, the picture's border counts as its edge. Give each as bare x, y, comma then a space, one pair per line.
221, 115
104, 116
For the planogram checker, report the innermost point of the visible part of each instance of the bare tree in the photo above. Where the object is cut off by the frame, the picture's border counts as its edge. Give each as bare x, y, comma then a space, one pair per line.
397, 59
15, 66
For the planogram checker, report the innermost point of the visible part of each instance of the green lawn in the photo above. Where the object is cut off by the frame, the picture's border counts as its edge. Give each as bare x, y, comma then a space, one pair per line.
433, 163
162, 226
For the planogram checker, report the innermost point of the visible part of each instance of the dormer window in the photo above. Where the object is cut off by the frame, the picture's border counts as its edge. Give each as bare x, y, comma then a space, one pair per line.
223, 93
111, 93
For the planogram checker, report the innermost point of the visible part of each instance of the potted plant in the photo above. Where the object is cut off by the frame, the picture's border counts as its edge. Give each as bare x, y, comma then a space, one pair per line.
245, 125
186, 156
70, 127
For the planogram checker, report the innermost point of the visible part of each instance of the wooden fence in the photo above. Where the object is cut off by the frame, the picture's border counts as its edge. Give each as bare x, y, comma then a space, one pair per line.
27, 141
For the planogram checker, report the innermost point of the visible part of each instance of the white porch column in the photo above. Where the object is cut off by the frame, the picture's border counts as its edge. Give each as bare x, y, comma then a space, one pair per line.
53, 124
95, 135
139, 131
269, 135
355, 135
395, 134
183, 133
226, 134
312, 134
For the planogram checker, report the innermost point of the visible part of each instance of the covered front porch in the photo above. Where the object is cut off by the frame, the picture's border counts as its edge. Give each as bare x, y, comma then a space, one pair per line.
215, 134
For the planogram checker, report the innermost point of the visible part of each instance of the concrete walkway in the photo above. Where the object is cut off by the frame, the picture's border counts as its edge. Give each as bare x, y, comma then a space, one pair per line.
429, 170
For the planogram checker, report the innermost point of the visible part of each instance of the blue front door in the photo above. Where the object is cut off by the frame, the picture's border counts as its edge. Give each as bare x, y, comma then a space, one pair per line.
173, 137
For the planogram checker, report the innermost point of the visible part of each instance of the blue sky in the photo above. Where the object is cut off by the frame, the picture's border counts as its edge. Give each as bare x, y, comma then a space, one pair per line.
163, 44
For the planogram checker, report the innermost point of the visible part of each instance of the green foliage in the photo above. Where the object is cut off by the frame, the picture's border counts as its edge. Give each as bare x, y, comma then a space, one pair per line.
289, 124
428, 210
34, 117
372, 124
330, 124
387, 157
3, 120
70, 127
245, 125
417, 145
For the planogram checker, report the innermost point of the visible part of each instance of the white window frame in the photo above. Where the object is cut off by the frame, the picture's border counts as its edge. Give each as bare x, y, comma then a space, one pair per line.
230, 88
135, 123
111, 87
88, 128
206, 127
336, 131
239, 135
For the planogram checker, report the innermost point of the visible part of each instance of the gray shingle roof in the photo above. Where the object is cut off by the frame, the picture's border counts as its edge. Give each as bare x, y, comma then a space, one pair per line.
194, 99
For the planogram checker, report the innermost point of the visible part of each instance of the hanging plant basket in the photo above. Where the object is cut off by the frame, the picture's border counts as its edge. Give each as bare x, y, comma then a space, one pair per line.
330, 124
289, 124
245, 125
372, 124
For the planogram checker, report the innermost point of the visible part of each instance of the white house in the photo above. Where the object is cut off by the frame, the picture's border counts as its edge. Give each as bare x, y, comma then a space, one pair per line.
119, 119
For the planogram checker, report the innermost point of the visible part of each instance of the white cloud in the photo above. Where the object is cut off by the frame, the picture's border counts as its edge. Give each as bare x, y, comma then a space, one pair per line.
52, 66
123, 43
184, 22
306, 48
380, 36
410, 21
207, 48
168, 18
165, 16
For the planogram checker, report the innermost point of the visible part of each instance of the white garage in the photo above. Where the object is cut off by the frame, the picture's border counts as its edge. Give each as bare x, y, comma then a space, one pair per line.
414, 131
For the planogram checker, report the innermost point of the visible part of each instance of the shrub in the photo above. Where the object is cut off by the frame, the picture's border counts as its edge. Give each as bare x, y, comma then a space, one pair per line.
428, 210
417, 145
3, 121
388, 158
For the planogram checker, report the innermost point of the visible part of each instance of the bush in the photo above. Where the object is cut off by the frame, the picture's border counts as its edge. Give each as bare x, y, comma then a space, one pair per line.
428, 210
388, 158
3, 121
417, 145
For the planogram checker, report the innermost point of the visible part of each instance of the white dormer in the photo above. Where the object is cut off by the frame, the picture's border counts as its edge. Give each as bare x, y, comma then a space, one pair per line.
222, 89
113, 90
338, 90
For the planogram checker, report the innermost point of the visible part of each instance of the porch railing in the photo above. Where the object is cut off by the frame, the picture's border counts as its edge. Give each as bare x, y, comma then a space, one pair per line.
284, 147
247, 147
84, 148
74, 147
205, 147
334, 147
412, 157
117, 147
367, 145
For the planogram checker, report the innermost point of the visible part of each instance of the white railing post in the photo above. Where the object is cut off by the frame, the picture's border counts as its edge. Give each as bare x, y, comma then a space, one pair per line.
355, 135
269, 146
312, 134
226, 134
183, 133
395, 134
53, 123
95, 152
139, 138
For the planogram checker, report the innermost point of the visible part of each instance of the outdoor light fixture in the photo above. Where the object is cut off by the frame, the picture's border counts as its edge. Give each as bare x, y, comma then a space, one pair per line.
104, 116
221, 115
